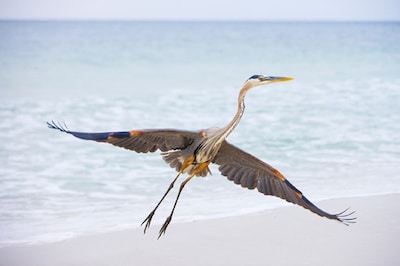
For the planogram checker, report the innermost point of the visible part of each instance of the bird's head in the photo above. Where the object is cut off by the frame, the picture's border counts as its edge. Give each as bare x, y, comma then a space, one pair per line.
258, 80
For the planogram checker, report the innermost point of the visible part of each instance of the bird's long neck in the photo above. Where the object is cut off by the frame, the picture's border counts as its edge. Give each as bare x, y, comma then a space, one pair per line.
208, 148
239, 113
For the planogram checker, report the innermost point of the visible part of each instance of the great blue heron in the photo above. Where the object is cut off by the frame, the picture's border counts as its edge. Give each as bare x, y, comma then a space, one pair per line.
191, 152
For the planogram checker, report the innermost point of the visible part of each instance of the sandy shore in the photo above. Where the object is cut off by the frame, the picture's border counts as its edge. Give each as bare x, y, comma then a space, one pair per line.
284, 236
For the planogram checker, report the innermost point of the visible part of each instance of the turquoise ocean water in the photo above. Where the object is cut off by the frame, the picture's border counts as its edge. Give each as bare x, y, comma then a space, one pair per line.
333, 131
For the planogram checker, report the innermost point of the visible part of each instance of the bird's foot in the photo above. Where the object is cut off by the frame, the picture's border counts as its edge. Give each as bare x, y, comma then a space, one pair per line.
164, 227
148, 221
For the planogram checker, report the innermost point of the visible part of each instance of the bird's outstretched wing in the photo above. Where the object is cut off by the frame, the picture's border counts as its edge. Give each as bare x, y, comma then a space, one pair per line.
248, 171
138, 140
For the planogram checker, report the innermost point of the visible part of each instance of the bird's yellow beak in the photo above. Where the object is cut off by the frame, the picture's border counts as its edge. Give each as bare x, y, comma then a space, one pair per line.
277, 79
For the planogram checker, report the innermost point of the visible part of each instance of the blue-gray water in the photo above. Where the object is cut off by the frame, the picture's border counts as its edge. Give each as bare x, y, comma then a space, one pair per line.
333, 131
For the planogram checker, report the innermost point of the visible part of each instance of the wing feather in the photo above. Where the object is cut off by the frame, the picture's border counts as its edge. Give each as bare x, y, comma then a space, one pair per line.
141, 141
248, 171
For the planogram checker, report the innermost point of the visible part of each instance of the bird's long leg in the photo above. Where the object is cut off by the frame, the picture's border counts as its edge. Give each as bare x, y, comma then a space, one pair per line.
169, 218
151, 214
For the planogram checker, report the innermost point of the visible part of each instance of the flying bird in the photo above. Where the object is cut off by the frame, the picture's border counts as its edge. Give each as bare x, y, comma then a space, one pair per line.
191, 153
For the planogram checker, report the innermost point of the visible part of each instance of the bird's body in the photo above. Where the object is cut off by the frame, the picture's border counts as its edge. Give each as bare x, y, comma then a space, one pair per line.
191, 152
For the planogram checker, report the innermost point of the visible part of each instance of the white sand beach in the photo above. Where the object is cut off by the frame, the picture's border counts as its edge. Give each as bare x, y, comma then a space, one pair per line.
284, 236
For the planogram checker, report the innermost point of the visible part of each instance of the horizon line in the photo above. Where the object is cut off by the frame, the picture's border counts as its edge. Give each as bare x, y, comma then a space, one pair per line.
197, 20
